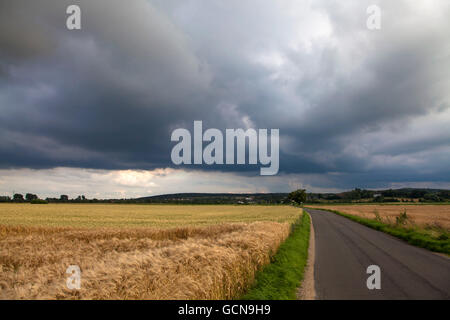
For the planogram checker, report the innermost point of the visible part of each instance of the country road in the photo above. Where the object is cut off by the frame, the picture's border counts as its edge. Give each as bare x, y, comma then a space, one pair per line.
344, 250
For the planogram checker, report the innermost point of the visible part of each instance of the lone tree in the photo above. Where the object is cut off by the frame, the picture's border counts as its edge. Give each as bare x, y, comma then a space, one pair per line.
298, 196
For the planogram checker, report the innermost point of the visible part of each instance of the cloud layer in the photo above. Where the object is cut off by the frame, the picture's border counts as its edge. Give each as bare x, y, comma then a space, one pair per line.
369, 107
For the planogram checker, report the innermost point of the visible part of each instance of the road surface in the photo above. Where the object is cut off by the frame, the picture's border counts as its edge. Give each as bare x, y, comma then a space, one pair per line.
344, 250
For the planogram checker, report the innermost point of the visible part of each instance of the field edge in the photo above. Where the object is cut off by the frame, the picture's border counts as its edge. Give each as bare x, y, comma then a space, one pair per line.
280, 279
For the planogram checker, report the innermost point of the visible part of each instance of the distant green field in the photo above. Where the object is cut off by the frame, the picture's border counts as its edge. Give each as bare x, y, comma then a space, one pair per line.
126, 215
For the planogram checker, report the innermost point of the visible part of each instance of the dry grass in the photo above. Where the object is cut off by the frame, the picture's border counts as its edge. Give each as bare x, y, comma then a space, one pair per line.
421, 215
210, 261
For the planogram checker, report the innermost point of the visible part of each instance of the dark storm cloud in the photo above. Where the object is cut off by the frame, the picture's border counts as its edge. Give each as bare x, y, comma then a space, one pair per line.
108, 96
113, 89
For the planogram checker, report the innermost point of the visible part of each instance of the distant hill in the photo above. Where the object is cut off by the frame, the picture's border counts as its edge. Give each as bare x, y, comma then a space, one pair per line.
388, 195
217, 198
356, 195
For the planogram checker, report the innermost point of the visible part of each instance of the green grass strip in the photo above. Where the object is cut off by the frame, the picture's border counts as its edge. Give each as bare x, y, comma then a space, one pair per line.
413, 236
280, 279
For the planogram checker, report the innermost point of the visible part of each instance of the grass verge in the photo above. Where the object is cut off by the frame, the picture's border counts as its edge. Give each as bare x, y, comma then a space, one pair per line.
414, 236
280, 279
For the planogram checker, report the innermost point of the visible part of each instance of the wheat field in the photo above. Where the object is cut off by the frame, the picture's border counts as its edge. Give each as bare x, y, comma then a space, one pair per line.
421, 215
137, 251
135, 215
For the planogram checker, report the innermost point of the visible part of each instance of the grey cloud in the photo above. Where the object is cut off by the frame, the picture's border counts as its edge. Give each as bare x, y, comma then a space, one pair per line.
108, 97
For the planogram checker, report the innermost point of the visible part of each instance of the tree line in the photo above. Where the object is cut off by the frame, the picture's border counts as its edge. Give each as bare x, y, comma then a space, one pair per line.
299, 196
33, 198
390, 195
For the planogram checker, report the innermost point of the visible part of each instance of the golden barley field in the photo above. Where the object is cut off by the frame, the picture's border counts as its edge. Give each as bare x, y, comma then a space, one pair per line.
421, 215
137, 251
134, 215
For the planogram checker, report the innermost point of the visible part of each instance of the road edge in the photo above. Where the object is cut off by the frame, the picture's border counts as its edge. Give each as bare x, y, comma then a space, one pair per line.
307, 291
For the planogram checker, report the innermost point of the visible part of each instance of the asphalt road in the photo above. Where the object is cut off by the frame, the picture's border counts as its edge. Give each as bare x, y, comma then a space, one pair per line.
344, 250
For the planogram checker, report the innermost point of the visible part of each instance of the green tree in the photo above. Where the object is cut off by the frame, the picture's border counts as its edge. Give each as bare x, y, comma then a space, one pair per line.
5, 199
444, 194
298, 196
18, 197
30, 197
431, 197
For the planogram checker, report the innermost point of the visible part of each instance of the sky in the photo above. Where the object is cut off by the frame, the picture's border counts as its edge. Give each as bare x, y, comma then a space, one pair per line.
91, 111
